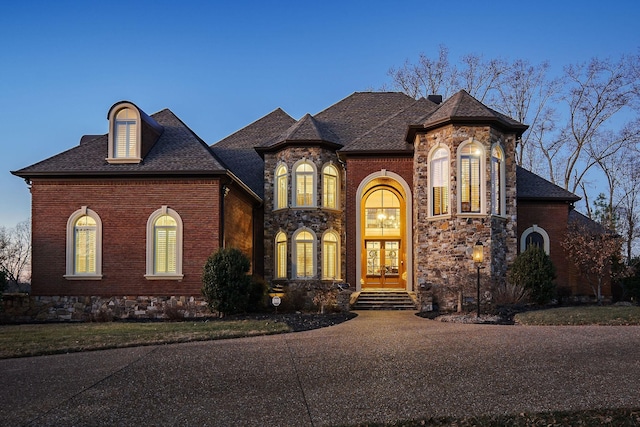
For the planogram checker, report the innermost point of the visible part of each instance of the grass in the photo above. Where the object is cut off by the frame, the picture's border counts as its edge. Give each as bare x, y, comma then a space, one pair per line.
581, 315
42, 339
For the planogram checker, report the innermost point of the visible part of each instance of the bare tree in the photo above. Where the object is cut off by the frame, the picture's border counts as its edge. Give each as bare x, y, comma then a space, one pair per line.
15, 253
596, 92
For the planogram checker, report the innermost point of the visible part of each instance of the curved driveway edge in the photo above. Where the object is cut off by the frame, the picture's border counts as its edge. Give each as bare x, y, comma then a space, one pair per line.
381, 366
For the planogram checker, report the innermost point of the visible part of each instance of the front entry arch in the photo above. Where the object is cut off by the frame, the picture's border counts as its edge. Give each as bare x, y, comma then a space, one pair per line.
384, 246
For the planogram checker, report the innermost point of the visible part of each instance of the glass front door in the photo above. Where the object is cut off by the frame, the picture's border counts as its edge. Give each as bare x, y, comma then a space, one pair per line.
383, 264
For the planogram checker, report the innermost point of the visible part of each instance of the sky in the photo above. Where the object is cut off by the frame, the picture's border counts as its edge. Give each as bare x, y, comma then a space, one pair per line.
220, 65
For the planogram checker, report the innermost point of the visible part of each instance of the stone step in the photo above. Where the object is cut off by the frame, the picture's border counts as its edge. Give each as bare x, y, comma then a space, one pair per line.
384, 300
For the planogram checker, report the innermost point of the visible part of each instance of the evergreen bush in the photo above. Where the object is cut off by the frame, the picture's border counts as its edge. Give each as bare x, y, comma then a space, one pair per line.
225, 282
534, 271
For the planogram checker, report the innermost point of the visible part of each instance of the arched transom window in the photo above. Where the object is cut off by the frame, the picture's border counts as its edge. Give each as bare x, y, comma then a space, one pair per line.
126, 132
281, 255
164, 245
84, 245
382, 213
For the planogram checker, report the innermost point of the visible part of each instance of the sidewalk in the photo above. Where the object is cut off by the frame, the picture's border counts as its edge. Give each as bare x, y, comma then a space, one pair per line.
380, 366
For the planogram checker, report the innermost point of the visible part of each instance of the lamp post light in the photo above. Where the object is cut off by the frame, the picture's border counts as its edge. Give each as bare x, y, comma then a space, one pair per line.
478, 257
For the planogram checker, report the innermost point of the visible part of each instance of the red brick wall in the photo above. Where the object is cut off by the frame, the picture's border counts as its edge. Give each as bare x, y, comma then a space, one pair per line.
358, 168
124, 207
552, 217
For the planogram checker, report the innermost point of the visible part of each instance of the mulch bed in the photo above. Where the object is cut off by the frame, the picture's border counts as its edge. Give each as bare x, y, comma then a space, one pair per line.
298, 321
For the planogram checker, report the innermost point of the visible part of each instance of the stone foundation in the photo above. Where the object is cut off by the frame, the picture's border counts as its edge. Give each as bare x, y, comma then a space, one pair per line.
26, 308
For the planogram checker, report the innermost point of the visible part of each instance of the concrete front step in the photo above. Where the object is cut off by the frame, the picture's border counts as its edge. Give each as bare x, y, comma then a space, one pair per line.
384, 300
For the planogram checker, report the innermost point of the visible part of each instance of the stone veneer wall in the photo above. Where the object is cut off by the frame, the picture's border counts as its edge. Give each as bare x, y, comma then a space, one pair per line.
27, 308
444, 269
289, 220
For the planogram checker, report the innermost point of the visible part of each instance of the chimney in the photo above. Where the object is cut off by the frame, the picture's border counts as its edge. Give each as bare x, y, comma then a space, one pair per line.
436, 99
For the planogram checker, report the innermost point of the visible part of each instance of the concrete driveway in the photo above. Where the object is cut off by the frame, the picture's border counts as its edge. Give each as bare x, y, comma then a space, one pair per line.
380, 366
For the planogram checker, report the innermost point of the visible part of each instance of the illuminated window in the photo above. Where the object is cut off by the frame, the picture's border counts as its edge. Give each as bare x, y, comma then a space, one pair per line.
440, 182
165, 234
124, 134
84, 245
470, 178
281, 255
382, 213
304, 184
164, 245
498, 205
330, 187
304, 255
280, 196
330, 255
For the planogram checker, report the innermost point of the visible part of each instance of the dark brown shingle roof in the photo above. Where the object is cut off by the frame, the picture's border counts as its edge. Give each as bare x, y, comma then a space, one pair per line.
237, 150
389, 134
178, 151
530, 186
464, 108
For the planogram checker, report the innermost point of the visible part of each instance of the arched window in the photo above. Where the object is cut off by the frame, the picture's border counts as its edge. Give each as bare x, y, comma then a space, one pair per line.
124, 134
498, 204
84, 245
281, 256
280, 196
305, 184
304, 254
470, 178
535, 236
164, 245
330, 187
439, 182
382, 212
330, 255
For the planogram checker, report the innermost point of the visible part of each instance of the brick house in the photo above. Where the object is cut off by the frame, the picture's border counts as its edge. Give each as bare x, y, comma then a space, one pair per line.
379, 190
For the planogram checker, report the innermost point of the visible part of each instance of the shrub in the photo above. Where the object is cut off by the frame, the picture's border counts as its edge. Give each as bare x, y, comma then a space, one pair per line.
225, 283
534, 271
3, 285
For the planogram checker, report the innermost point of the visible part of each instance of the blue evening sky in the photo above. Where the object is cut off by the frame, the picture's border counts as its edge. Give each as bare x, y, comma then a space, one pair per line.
220, 65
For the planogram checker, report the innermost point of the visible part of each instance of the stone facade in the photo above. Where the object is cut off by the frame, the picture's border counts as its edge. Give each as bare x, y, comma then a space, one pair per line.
26, 308
443, 245
317, 218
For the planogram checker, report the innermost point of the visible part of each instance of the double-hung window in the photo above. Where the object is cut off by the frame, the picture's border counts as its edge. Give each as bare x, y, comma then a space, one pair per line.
304, 242
304, 184
470, 178
440, 182
164, 245
330, 256
281, 187
84, 245
281, 256
330, 187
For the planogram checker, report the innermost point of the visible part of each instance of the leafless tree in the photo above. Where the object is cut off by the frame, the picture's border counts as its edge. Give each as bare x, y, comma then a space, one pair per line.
15, 252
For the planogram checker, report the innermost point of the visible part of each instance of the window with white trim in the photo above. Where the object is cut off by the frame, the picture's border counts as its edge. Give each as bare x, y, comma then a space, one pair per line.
280, 188
84, 245
124, 134
498, 205
470, 182
164, 245
439, 182
330, 187
304, 183
304, 254
281, 256
330, 255
535, 236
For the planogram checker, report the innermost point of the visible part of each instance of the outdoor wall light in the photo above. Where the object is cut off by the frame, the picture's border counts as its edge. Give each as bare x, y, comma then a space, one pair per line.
478, 257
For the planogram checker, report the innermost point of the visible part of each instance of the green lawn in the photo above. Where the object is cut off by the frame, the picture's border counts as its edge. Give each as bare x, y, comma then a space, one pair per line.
581, 315
40, 339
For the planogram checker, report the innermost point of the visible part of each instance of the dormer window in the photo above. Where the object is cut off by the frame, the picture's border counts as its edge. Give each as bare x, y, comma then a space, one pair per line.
124, 134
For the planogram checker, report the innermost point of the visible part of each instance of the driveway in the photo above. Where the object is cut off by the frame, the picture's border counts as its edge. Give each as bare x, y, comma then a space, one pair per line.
381, 366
